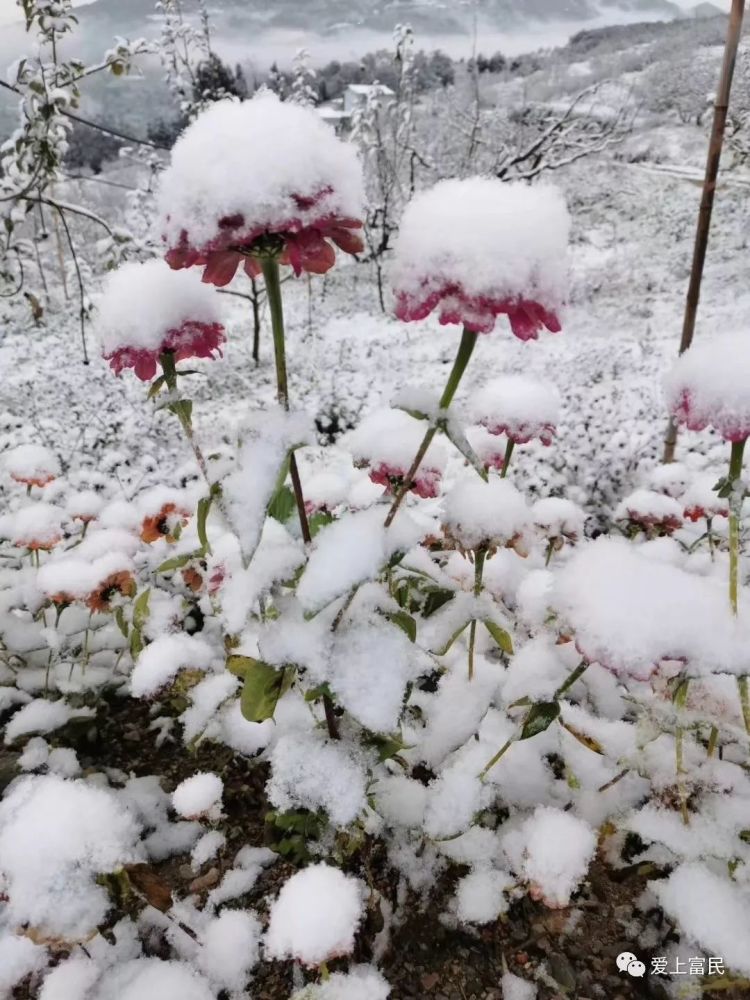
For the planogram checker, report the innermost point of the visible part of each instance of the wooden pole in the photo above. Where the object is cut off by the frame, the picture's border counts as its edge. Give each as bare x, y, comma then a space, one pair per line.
715, 147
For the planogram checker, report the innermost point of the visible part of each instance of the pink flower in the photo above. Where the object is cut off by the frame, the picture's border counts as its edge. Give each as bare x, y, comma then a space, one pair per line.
684, 411
256, 179
426, 483
477, 313
191, 340
306, 243
522, 433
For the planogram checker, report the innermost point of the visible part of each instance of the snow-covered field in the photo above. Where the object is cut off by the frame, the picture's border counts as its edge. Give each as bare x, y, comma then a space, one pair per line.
483, 677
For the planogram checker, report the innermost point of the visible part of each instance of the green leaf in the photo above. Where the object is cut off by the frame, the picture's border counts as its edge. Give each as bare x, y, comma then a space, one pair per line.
501, 637
239, 665
436, 598
318, 521
177, 562
263, 687
156, 386
388, 747
456, 634
141, 610
182, 408
120, 620
136, 642
204, 506
405, 622
459, 440
539, 718
417, 414
282, 504
318, 692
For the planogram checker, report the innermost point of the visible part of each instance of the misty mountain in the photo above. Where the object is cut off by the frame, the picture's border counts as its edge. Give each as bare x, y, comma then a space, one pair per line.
334, 16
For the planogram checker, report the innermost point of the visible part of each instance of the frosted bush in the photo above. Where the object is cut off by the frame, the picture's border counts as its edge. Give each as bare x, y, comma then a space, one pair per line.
53, 887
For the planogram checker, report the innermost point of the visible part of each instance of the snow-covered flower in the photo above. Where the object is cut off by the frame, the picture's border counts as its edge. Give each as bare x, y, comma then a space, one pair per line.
315, 916
94, 582
651, 512
260, 178
522, 408
147, 310
32, 465
709, 386
163, 514
84, 506
557, 517
120, 582
37, 527
386, 442
478, 248
485, 515
701, 500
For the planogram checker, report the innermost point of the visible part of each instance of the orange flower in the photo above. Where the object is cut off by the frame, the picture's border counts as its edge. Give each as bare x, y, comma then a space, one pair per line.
192, 578
116, 583
36, 479
164, 524
38, 544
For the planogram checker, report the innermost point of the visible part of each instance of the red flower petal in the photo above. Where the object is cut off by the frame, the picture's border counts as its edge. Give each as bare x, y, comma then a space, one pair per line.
221, 267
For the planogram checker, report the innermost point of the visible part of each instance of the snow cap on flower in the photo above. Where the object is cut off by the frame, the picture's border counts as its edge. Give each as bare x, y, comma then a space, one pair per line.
478, 248
31, 464
651, 511
38, 526
709, 386
557, 517
260, 171
148, 309
522, 408
315, 916
487, 514
701, 499
386, 443
558, 850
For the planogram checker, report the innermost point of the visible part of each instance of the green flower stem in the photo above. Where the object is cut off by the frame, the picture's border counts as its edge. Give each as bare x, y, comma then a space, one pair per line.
568, 684
508, 455
496, 759
463, 356
270, 267
680, 702
183, 411
479, 559
735, 511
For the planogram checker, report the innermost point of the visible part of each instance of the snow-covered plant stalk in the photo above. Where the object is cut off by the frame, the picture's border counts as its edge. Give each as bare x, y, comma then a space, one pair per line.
460, 364
271, 276
708, 387
474, 250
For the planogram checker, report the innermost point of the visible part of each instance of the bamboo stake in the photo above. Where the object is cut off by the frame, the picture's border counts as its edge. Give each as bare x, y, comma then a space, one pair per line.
721, 109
